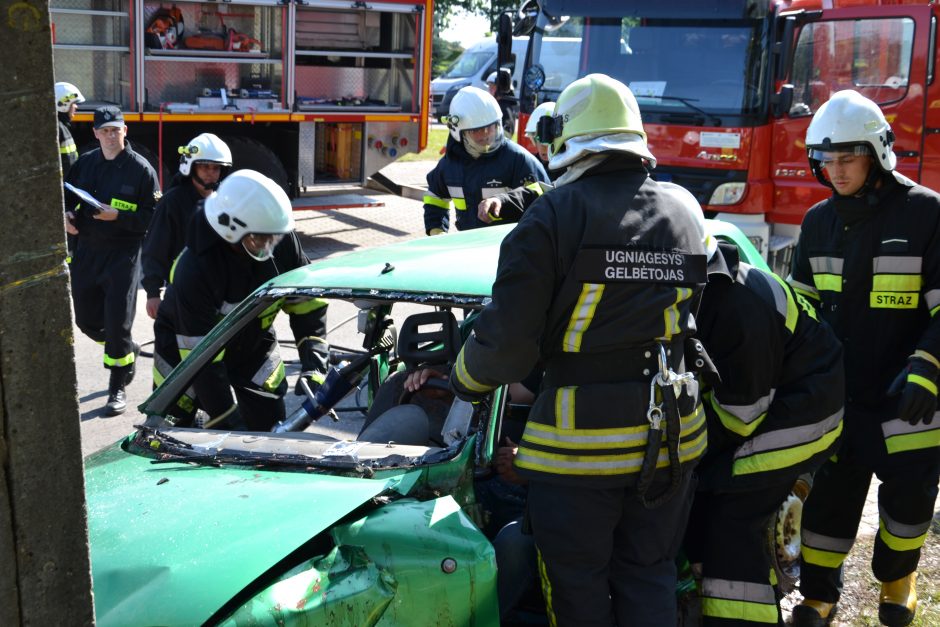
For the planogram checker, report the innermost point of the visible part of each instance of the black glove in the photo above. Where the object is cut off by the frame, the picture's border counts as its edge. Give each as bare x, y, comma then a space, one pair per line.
917, 385
314, 379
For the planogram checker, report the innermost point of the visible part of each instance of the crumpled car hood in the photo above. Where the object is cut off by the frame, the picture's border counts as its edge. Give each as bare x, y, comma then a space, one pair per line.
172, 542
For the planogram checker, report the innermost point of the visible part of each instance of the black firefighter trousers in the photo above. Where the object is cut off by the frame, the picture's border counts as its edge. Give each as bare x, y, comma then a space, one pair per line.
604, 558
104, 278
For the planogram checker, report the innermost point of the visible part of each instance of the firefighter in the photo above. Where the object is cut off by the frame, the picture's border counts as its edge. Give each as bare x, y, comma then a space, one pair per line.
774, 414
870, 257
479, 163
597, 282
511, 204
204, 161
67, 99
105, 267
508, 104
241, 237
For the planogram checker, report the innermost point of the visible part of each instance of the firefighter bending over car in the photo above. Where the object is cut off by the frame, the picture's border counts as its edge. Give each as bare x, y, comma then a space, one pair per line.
105, 265
869, 256
774, 412
479, 162
241, 237
598, 281
204, 162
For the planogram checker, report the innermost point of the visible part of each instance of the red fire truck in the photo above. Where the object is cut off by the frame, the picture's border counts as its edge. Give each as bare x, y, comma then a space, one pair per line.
311, 92
727, 89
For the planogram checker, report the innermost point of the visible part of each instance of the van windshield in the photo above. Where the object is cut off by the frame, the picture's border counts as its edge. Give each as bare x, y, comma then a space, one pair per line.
469, 64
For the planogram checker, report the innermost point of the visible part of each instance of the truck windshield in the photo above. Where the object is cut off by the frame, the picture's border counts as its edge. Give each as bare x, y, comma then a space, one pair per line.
697, 68
469, 64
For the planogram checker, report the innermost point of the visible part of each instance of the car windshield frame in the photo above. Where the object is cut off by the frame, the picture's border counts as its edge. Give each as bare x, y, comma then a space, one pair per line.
468, 64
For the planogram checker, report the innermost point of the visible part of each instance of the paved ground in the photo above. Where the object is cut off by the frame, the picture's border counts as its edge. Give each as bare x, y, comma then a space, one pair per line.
324, 233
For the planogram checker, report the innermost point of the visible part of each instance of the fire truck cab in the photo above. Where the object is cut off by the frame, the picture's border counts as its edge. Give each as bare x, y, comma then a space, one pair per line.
727, 89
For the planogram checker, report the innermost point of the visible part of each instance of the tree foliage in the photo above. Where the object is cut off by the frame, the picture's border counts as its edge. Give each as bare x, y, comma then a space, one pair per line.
444, 10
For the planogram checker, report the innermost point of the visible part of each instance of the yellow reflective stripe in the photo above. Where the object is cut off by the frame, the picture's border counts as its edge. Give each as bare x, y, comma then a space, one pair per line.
581, 316
928, 357
434, 201
793, 313
739, 610
535, 187
826, 559
219, 357
894, 300
123, 205
773, 577
934, 311
564, 408
460, 204
67, 148
913, 441
923, 382
464, 377
671, 313
173, 267
897, 283
270, 313
828, 282
275, 378
158, 377
546, 589
730, 421
126, 360
897, 543
184, 353
784, 458
304, 307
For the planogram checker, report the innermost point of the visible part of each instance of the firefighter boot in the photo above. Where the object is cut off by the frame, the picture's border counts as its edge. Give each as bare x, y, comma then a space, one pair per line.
117, 398
898, 602
813, 613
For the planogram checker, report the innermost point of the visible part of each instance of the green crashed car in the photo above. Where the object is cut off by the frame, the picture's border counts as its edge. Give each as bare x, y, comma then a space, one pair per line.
191, 526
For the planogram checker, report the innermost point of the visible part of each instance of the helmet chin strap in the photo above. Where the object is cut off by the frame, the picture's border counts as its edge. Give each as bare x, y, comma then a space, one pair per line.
209, 186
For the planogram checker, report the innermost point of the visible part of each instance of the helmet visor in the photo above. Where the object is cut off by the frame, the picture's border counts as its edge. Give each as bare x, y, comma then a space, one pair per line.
260, 246
484, 139
839, 155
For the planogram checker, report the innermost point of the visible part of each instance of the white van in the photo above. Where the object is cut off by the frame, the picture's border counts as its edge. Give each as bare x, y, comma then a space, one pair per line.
471, 68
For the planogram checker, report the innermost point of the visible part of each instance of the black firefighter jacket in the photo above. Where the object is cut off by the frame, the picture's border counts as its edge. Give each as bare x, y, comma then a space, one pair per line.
68, 151
465, 181
210, 279
873, 265
777, 411
127, 182
167, 235
594, 273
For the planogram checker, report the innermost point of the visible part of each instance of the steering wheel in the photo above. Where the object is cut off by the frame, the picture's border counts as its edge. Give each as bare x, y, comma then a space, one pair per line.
433, 383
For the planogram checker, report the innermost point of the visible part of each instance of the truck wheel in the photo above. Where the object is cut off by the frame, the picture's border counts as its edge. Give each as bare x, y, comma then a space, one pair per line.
783, 535
251, 154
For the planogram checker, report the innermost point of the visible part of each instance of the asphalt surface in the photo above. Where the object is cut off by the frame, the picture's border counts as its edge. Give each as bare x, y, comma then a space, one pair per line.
324, 233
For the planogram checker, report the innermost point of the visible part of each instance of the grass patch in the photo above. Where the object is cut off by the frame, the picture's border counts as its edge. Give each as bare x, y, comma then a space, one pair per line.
437, 137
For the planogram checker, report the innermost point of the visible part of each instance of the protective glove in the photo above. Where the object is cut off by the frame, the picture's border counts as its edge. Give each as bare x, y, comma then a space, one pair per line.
917, 385
313, 379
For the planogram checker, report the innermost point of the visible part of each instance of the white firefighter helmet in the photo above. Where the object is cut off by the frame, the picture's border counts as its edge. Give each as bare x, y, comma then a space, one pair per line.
472, 108
850, 122
250, 206
491, 79
65, 95
595, 113
546, 108
205, 147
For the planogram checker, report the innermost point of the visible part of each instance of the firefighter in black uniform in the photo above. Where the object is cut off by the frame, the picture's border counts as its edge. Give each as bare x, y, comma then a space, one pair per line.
204, 161
597, 281
241, 237
105, 266
870, 257
479, 163
774, 414
67, 99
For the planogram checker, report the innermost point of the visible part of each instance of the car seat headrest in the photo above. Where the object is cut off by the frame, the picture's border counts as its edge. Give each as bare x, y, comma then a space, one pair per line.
432, 337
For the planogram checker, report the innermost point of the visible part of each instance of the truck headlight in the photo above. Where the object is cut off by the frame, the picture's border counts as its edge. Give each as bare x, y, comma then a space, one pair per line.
728, 194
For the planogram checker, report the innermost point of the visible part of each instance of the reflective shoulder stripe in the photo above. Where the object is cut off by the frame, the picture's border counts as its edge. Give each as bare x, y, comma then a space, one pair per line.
581, 316
304, 306
672, 316
435, 201
772, 289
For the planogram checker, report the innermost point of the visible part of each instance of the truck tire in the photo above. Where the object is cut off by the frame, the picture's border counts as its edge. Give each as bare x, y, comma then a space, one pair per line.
251, 154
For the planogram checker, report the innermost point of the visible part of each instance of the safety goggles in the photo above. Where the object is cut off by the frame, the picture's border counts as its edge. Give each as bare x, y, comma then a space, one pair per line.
260, 246
484, 139
841, 157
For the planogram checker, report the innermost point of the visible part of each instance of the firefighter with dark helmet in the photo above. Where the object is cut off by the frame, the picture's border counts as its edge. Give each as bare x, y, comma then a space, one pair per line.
204, 162
479, 162
241, 237
869, 256
67, 99
597, 282
774, 413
